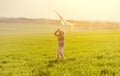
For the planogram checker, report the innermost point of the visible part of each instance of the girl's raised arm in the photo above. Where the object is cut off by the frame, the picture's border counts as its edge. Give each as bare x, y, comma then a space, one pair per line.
56, 32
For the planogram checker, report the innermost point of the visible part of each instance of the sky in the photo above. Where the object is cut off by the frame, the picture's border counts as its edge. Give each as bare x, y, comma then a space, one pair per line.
69, 9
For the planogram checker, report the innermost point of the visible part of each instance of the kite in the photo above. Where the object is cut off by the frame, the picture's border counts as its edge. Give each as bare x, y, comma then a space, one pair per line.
65, 22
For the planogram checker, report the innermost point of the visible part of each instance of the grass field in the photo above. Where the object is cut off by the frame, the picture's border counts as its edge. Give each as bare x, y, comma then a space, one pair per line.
95, 53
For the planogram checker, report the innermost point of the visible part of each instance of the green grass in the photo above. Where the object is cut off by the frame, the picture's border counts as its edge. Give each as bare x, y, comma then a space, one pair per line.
95, 53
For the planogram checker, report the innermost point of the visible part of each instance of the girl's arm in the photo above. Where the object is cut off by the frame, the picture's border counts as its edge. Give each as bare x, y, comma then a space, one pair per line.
56, 33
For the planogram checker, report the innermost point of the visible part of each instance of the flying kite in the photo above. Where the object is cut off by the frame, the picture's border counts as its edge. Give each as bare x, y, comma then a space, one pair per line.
65, 22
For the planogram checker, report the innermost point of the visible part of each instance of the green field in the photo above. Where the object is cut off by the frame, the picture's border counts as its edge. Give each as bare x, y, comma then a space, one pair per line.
30, 50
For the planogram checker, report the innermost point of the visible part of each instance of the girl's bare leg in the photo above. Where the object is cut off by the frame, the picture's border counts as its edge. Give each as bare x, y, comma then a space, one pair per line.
61, 50
58, 54
62, 55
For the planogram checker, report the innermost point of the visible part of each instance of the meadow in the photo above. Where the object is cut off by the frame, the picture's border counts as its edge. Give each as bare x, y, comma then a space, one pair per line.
30, 50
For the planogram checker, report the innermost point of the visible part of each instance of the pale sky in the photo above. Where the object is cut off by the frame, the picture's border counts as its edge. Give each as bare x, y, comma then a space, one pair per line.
69, 9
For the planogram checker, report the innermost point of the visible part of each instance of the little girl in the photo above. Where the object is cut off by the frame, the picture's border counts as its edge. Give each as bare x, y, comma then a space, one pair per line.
60, 34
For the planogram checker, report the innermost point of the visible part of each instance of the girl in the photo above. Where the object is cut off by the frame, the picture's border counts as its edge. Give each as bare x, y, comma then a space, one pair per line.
60, 34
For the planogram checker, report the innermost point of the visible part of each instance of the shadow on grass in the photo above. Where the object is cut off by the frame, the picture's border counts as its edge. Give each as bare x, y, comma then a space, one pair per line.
44, 71
51, 63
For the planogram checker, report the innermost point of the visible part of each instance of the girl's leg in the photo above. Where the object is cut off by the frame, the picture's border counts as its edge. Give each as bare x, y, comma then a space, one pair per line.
62, 55
61, 50
58, 54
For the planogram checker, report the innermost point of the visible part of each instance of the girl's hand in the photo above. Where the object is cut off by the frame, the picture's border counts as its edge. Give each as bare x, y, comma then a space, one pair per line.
58, 30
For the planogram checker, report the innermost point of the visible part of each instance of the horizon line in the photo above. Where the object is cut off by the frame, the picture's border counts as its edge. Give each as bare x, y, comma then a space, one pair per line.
58, 19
